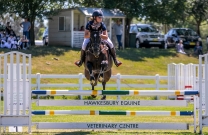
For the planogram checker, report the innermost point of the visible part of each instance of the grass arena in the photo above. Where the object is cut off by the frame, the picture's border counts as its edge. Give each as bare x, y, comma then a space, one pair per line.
126, 110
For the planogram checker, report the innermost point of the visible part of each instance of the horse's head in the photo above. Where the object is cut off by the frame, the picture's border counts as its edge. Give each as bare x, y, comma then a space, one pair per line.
95, 43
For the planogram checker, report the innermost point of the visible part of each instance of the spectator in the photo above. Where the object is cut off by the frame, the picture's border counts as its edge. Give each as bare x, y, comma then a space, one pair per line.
118, 29
23, 43
26, 25
5, 44
11, 38
4, 37
1, 33
12, 31
82, 28
8, 28
198, 49
179, 47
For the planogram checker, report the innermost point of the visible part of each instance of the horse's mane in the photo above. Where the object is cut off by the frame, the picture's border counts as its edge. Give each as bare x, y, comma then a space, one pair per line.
95, 37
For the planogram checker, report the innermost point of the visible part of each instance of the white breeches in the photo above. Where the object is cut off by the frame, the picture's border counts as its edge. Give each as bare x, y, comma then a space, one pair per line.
87, 40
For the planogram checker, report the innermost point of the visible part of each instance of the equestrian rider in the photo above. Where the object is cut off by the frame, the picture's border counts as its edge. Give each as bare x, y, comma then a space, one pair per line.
97, 24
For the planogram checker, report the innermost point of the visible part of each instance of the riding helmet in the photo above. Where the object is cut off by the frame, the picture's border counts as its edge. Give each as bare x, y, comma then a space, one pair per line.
97, 13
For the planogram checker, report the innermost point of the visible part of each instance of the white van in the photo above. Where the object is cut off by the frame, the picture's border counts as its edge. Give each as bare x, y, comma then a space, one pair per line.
147, 36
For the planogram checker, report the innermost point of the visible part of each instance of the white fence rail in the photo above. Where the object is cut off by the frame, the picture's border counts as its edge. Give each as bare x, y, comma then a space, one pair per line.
156, 85
80, 78
118, 85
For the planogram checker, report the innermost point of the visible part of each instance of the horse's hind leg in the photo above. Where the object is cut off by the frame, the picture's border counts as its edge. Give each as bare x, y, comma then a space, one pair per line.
106, 79
104, 96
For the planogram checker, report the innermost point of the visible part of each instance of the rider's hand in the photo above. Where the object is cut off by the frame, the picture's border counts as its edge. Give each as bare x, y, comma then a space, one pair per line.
103, 36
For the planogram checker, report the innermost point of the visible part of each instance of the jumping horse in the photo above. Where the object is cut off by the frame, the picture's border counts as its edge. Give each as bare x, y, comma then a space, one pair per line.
98, 62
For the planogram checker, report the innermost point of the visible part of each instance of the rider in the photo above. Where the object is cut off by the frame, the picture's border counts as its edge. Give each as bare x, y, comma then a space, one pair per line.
97, 23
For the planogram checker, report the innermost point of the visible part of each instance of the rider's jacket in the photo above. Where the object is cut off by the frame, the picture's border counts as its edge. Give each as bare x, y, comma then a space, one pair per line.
95, 27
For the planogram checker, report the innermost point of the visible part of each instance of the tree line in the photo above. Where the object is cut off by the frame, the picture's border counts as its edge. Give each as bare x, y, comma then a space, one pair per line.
167, 12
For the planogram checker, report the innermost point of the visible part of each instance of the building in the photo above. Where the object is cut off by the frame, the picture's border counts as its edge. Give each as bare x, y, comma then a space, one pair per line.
64, 28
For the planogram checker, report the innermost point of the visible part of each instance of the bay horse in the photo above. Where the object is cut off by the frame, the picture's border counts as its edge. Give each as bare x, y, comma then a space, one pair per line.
98, 62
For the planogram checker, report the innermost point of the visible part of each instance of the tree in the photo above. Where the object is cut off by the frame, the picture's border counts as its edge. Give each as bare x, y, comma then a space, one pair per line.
131, 9
33, 9
168, 12
2, 7
164, 11
199, 10
90, 3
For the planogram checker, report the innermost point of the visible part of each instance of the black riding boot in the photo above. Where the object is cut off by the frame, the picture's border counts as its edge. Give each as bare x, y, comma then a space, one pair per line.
113, 54
82, 58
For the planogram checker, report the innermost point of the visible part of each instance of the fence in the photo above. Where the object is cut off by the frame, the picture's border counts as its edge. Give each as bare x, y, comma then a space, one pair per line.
17, 96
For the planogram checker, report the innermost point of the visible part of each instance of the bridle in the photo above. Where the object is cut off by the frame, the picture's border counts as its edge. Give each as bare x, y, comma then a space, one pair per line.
94, 44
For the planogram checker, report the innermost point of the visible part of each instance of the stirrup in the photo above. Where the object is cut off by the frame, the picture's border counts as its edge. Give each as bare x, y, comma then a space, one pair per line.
78, 63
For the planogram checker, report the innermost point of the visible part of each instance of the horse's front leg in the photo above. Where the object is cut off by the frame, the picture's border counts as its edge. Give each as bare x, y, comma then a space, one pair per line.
104, 96
93, 82
92, 78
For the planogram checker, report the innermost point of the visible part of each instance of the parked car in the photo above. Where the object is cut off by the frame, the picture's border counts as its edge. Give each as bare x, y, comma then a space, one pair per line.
147, 36
45, 37
189, 37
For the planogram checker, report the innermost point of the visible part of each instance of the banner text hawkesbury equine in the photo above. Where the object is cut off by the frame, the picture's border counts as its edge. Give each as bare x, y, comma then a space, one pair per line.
113, 103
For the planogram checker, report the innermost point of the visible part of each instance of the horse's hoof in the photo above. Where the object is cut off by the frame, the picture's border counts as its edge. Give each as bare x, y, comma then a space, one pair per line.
93, 96
103, 98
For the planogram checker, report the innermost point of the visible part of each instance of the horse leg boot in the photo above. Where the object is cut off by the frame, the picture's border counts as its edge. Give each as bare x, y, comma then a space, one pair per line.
113, 54
82, 58
104, 96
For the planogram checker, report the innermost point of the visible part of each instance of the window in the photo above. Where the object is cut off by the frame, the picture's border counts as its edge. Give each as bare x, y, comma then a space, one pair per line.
133, 29
152, 28
171, 32
61, 23
193, 33
181, 32
144, 28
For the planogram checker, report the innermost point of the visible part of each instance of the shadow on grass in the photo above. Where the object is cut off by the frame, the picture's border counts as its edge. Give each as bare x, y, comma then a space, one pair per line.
132, 54
37, 51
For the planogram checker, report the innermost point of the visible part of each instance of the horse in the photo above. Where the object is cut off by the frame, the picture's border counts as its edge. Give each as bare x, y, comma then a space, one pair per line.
98, 62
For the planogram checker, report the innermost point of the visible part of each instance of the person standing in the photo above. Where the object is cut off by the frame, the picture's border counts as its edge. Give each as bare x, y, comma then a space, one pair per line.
118, 29
198, 49
8, 28
26, 25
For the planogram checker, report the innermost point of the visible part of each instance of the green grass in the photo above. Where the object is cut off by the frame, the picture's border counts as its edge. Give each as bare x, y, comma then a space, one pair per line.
135, 62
